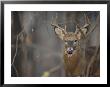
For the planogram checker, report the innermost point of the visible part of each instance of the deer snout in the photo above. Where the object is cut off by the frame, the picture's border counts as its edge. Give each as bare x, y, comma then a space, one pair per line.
70, 50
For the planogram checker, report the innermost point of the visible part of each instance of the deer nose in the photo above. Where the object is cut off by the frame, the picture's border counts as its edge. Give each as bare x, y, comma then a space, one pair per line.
69, 50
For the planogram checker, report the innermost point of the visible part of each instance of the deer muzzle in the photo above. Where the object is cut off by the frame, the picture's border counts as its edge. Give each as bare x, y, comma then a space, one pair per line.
70, 50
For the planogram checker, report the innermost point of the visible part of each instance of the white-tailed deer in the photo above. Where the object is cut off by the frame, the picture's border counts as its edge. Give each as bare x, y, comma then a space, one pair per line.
72, 45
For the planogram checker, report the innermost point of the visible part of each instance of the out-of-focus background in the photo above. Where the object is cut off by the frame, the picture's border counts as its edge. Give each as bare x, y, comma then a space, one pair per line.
36, 49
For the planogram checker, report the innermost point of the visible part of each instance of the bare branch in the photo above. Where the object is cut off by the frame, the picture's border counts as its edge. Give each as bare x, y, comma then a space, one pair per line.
98, 17
16, 47
15, 70
12, 64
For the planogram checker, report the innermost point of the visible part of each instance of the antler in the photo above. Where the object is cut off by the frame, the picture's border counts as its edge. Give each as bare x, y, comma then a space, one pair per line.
87, 21
54, 23
82, 31
64, 35
58, 30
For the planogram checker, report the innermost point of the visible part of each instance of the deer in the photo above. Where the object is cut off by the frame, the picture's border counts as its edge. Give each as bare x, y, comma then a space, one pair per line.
72, 51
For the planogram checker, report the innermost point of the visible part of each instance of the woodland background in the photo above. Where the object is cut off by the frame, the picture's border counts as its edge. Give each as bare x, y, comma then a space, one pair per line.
38, 48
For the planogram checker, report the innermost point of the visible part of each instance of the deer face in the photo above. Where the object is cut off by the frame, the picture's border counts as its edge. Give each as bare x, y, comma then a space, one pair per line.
70, 47
71, 38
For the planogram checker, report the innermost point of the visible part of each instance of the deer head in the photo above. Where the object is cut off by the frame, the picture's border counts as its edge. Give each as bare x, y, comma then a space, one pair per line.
71, 38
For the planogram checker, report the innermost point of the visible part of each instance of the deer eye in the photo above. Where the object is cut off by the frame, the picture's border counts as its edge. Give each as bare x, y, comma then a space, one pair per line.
75, 41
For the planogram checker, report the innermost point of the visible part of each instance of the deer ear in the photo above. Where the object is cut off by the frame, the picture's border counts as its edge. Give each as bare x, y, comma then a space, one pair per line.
60, 33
